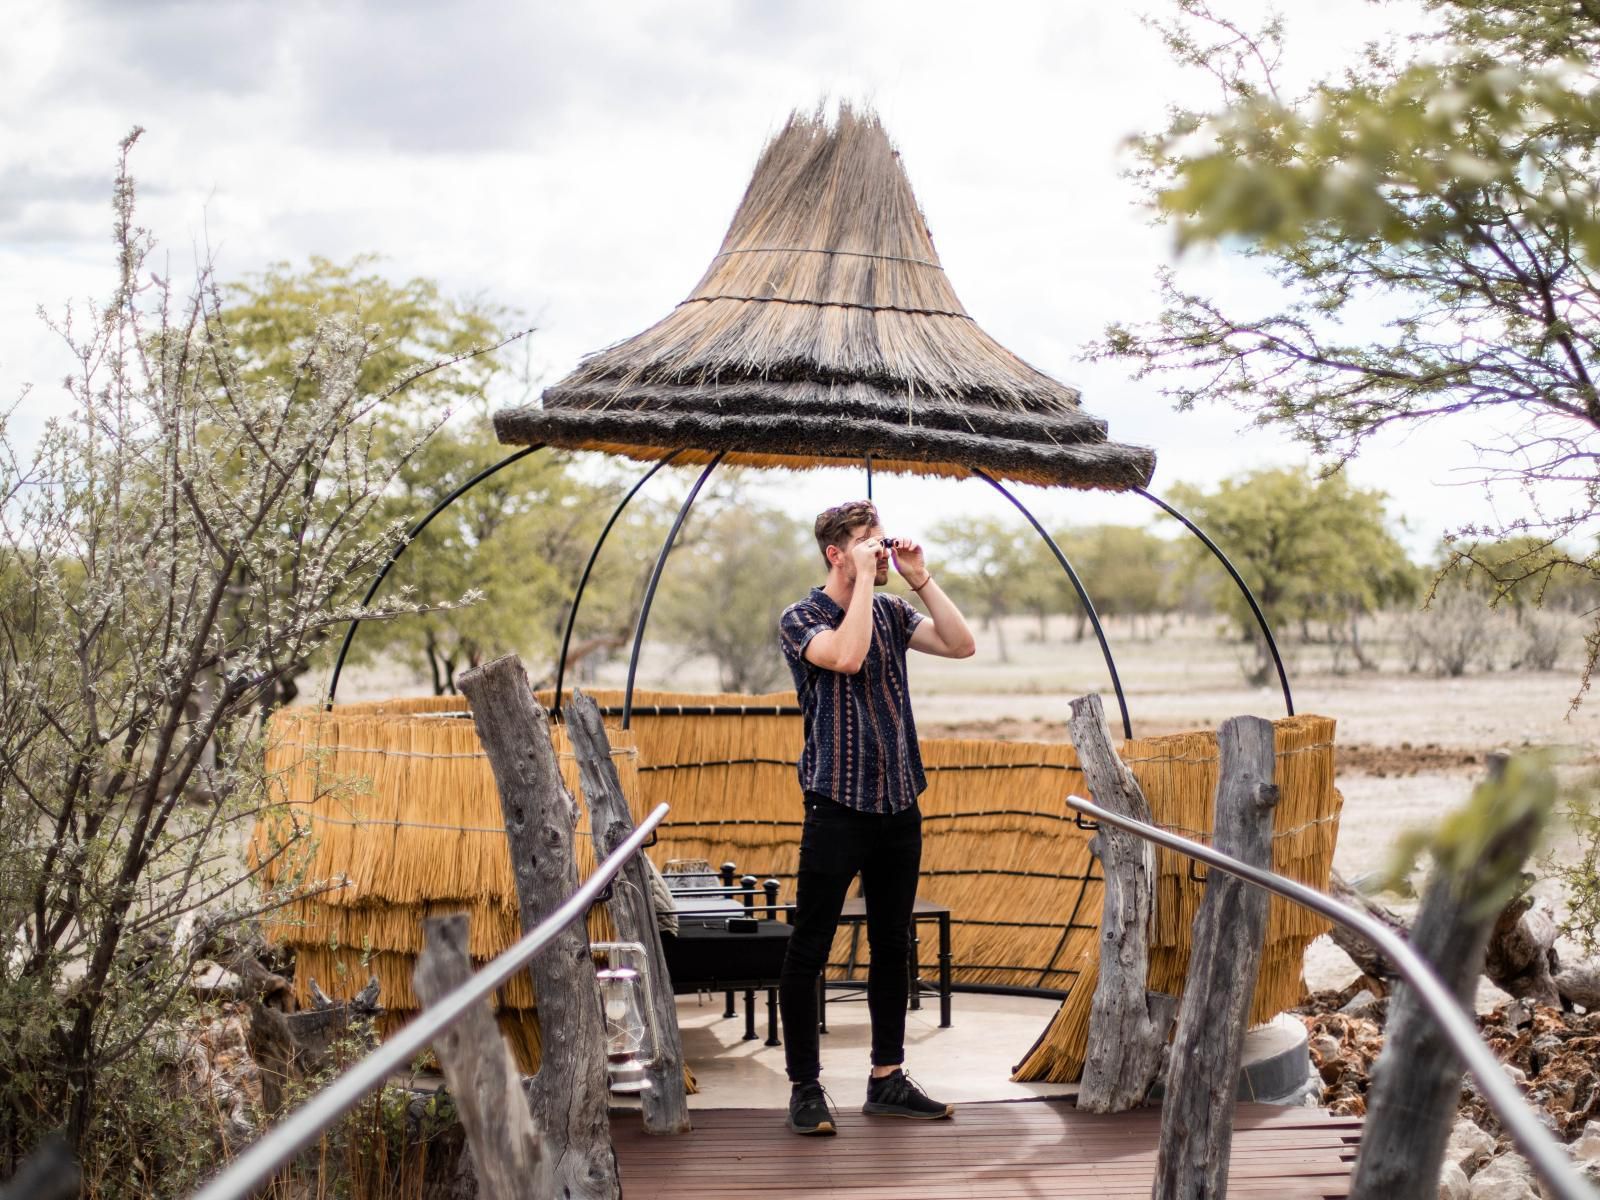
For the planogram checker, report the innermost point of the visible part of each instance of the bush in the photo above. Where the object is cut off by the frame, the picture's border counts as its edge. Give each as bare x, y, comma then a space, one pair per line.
180, 543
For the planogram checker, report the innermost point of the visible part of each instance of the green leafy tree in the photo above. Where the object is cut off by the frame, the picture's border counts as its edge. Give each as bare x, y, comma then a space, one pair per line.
516, 543
729, 579
1309, 547
1126, 569
1431, 217
987, 557
1040, 586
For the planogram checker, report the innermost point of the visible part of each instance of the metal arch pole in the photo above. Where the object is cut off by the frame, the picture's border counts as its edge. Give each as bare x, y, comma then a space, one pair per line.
583, 581
1077, 585
1250, 597
404, 544
655, 578
1549, 1158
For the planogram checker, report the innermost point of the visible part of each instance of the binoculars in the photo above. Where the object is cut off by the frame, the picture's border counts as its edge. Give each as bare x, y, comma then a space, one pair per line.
892, 543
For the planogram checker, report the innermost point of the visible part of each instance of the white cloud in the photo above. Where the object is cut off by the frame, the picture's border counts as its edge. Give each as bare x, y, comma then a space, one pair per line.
580, 162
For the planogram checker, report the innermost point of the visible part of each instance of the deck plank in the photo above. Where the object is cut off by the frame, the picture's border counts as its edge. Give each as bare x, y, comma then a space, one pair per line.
1020, 1150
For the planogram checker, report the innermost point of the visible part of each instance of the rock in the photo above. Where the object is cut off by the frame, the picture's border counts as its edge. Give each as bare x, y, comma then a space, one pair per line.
1580, 984
1453, 1183
1505, 1178
1587, 1147
1469, 1147
1359, 1005
1323, 1048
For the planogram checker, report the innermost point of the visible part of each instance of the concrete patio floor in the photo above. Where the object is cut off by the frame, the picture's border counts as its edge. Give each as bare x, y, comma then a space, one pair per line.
970, 1061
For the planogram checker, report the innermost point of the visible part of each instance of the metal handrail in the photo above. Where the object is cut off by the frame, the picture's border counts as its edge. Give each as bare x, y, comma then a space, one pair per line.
1547, 1156
256, 1165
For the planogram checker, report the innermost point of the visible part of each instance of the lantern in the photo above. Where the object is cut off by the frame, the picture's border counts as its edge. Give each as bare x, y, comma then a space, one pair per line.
632, 1040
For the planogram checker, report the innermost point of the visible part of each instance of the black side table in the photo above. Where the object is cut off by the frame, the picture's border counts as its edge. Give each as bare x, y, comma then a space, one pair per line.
854, 914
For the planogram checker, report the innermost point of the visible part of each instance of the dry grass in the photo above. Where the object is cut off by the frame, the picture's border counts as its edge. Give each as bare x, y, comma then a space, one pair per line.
423, 834
825, 330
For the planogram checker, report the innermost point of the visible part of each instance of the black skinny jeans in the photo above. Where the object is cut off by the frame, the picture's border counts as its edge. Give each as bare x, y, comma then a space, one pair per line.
836, 844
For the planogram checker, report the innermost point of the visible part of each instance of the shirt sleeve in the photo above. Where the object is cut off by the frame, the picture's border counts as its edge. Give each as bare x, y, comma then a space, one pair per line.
907, 618
798, 625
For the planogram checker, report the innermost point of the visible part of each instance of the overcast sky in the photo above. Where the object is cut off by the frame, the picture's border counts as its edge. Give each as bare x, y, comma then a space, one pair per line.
579, 163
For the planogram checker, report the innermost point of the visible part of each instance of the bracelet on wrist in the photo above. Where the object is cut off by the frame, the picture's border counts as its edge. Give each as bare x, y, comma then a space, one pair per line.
924, 583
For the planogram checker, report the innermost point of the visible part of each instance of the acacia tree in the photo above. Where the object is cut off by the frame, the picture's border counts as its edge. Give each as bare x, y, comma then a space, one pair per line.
1126, 569
735, 570
987, 559
183, 536
273, 317
1449, 187
1310, 548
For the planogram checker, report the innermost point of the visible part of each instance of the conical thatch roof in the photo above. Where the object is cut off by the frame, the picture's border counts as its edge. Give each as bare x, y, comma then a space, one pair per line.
826, 332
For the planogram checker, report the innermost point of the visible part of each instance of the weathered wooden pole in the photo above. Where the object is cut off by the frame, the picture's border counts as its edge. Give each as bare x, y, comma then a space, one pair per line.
666, 1107
569, 1094
1126, 1032
1416, 1081
1224, 959
509, 1156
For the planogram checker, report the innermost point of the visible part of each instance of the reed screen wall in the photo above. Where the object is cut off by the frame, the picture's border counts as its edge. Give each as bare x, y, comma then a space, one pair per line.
406, 822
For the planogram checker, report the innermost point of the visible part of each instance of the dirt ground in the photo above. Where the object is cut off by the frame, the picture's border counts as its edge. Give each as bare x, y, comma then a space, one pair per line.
1410, 746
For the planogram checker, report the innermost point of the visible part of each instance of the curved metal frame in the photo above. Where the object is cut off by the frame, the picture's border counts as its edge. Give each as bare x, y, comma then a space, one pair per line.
1549, 1158
405, 543
633, 662
1250, 597
655, 578
1077, 584
583, 581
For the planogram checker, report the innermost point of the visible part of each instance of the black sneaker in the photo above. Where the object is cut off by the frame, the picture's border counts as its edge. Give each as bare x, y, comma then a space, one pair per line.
897, 1096
808, 1111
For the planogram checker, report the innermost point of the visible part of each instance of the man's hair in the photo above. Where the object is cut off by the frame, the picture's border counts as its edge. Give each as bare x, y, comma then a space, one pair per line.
835, 525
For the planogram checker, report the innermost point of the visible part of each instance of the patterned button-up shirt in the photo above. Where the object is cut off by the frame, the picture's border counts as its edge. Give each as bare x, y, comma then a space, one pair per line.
861, 742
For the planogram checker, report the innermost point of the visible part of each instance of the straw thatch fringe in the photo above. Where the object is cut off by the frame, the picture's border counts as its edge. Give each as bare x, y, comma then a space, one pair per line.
397, 801
824, 330
771, 441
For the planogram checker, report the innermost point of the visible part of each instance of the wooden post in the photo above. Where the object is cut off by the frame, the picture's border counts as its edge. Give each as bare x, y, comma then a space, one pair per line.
1125, 1037
509, 1157
1224, 959
49, 1173
569, 1095
666, 1107
1416, 1081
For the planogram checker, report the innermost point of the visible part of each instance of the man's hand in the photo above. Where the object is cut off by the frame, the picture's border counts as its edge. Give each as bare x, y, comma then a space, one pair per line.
908, 560
864, 555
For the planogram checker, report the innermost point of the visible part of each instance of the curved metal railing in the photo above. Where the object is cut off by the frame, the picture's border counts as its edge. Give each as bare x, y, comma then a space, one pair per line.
256, 1165
1547, 1156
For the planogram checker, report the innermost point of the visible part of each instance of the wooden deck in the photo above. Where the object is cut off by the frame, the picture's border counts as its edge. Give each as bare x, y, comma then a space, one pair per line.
1037, 1150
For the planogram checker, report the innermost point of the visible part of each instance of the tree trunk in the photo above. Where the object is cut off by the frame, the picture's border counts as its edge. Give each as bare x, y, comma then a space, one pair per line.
431, 649
570, 1091
1416, 1081
1580, 984
1125, 1038
1377, 970
1224, 959
1520, 957
509, 1156
666, 1107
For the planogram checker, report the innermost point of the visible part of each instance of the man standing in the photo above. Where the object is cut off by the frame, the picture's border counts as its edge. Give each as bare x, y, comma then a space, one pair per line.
861, 771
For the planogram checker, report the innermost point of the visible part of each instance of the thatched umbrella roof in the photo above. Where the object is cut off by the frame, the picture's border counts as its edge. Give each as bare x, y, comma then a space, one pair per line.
825, 332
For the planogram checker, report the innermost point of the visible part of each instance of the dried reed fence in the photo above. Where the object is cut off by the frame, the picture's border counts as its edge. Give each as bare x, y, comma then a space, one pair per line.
404, 810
